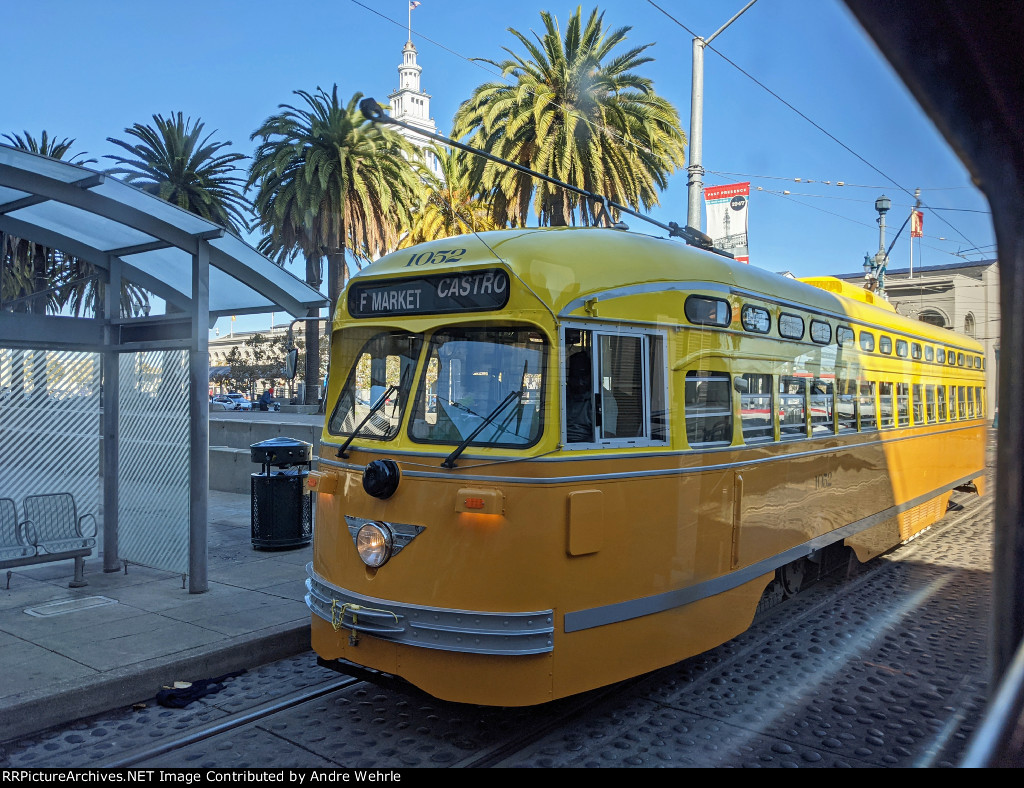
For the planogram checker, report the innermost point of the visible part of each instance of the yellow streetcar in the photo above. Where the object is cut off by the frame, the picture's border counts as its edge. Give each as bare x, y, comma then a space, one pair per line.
554, 459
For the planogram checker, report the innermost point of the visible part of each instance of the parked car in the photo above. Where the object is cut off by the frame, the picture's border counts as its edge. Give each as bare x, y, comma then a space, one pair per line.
240, 401
223, 402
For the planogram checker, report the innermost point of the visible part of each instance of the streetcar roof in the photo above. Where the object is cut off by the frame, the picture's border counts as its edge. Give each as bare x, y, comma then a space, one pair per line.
565, 266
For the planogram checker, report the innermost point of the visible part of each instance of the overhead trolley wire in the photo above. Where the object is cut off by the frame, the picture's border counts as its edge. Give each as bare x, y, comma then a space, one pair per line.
809, 120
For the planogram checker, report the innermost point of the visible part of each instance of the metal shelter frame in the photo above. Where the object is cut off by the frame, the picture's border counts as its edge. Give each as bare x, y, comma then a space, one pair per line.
197, 267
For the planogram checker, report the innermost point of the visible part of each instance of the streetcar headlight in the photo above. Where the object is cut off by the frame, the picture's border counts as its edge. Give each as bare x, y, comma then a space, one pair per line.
374, 542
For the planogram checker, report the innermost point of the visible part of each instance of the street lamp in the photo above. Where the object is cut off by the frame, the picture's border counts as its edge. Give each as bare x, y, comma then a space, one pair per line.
874, 269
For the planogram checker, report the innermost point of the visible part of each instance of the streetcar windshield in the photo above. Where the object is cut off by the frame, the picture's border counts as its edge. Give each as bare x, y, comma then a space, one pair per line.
377, 387
468, 373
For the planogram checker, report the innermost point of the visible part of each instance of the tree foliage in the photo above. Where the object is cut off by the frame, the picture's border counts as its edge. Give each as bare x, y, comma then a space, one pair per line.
576, 110
173, 161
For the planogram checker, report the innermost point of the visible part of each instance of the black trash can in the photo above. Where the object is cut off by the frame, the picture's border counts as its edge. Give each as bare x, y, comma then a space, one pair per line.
282, 505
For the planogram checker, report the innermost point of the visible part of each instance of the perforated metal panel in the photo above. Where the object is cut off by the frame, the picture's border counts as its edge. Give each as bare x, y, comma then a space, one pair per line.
50, 425
153, 508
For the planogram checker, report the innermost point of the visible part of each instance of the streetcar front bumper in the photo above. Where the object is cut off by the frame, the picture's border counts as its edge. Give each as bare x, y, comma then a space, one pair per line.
470, 631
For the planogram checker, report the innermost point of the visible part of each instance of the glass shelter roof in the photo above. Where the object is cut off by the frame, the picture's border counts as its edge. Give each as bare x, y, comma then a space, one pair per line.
95, 216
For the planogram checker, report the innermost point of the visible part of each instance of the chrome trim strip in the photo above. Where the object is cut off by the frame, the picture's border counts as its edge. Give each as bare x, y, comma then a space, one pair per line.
618, 456
579, 620
466, 631
649, 287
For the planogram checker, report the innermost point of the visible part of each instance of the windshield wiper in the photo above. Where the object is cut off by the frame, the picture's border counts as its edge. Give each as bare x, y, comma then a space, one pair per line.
376, 406
512, 397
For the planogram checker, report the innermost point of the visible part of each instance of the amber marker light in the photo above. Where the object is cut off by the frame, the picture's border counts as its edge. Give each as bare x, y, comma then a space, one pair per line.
480, 501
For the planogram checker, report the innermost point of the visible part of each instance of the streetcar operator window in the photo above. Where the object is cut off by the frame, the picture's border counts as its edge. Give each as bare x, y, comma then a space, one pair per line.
481, 383
375, 394
579, 402
614, 387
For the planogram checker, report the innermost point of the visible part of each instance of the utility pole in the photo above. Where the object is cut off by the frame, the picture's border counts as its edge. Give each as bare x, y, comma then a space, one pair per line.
695, 179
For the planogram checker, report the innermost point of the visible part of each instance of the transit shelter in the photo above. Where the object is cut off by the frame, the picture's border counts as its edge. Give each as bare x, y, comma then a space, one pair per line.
115, 406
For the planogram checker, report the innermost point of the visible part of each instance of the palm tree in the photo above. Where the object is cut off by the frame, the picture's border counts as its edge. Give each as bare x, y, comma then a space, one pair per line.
32, 272
577, 112
328, 180
447, 203
173, 163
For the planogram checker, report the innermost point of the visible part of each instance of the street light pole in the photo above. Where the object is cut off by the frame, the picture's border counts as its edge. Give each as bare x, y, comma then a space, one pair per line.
695, 170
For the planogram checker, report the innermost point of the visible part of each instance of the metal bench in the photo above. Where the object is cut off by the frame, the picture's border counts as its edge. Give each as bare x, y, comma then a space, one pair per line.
51, 531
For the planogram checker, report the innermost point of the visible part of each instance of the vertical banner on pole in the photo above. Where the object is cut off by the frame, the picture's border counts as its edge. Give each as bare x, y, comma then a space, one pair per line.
727, 218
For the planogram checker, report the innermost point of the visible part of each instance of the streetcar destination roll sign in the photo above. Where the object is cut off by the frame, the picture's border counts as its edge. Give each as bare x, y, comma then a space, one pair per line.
468, 291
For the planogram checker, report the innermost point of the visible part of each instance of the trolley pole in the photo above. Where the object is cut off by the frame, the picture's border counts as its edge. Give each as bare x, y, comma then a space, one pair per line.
695, 178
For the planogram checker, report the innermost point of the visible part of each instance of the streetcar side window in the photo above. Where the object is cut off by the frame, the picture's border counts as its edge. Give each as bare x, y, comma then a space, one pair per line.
941, 392
708, 408
792, 407
929, 392
867, 341
846, 405
821, 332
952, 403
756, 408
706, 311
970, 402
940, 355
885, 406
915, 351
844, 336
868, 422
902, 404
929, 353
885, 345
822, 415
978, 397
918, 403
902, 348
961, 403
791, 326
756, 319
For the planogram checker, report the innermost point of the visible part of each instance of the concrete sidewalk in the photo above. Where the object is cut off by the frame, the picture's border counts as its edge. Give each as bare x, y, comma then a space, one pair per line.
67, 652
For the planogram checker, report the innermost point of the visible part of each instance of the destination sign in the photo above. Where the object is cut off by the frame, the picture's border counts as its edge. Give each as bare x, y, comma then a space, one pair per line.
471, 291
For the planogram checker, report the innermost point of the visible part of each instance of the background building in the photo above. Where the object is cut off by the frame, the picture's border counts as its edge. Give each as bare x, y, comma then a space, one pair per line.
411, 105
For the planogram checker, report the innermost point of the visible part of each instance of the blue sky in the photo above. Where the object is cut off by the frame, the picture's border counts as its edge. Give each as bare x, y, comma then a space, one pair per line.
89, 70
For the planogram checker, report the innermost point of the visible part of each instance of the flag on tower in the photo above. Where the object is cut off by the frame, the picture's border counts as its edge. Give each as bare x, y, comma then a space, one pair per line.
414, 4
916, 224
